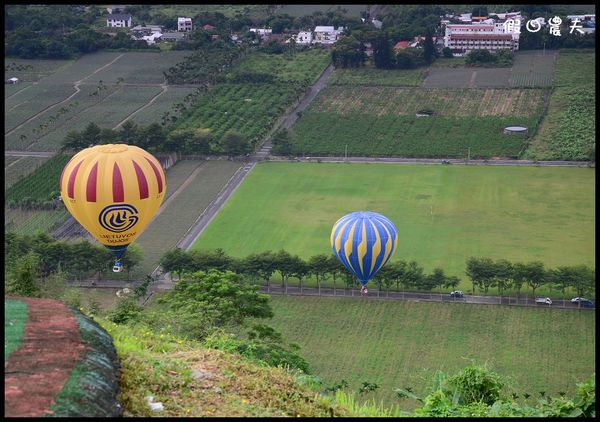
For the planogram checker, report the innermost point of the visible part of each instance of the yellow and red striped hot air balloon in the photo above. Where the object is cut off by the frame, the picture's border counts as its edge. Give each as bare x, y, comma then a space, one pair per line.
113, 191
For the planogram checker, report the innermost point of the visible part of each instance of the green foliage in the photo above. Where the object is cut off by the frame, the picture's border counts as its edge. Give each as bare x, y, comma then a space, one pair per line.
348, 52
125, 311
476, 384
447, 53
72, 298
22, 280
502, 58
15, 316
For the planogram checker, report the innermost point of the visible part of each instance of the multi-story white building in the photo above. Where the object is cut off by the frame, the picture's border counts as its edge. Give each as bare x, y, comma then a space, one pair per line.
327, 34
118, 20
184, 24
464, 38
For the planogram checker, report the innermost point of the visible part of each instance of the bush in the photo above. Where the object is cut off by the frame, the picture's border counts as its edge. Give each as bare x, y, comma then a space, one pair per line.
126, 310
447, 53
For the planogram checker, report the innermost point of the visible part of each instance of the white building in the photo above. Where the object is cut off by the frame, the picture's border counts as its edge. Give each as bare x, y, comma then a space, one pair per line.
263, 32
118, 20
327, 34
464, 38
12, 80
184, 24
304, 37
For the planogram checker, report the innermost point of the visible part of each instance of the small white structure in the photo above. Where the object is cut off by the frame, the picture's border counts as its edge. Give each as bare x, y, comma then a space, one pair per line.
327, 34
263, 32
118, 20
304, 37
377, 23
515, 130
117, 8
173, 36
184, 24
12, 80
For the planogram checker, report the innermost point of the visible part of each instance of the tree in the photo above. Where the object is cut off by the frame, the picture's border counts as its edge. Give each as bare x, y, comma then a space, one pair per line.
319, 267
234, 143
176, 261
91, 134
282, 144
580, 277
22, 280
152, 138
383, 57
414, 274
284, 263
199, 142
218, 298
429, 52
481, 271
348, 52
477, 57
503, 275
129, 134
534, 274
259, 265
447, 53
335, 268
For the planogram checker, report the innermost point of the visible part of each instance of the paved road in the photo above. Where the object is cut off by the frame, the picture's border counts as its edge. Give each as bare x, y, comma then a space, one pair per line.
373, 294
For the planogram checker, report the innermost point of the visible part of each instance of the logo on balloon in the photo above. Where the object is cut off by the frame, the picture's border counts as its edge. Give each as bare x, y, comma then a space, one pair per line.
118, 218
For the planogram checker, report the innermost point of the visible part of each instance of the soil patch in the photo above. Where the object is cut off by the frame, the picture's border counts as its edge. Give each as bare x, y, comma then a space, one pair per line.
37, 371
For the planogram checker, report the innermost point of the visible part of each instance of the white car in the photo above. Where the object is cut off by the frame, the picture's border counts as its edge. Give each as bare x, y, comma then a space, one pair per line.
579, 299
544, 300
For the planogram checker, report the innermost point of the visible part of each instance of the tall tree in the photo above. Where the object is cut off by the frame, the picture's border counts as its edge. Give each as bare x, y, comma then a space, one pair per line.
319, 267
429, 51
383, 57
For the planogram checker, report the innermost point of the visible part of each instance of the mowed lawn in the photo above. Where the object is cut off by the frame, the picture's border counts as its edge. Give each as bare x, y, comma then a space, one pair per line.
444, 214
15, 317
399, 344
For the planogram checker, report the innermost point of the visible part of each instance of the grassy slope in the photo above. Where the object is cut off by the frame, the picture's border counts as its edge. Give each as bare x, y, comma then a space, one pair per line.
516, 213
402, 344
566, 80
15, 316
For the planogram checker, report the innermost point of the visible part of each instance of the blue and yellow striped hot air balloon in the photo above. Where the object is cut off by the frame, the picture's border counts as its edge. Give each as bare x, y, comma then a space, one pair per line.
364, 241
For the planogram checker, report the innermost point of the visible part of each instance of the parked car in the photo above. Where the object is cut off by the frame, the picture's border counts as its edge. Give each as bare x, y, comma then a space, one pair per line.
457, 293
544, 300
578, 299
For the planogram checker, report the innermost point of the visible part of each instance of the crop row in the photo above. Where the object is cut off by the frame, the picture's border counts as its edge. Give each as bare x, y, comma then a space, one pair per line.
250, 109
20, 167
31, 222
30, 70
162, 104
409, 136
443, 102
41, 184
377, 77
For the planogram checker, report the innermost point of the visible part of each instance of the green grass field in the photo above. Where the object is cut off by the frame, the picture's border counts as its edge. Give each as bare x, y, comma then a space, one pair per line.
399, 344
377, 77
444, 214
15, 316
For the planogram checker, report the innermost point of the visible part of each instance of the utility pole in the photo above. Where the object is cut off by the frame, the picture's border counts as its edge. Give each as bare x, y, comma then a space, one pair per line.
346, 153
469, 154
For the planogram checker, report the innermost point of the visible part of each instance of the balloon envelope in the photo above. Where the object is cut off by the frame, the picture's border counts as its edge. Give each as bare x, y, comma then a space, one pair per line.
113, 191
364, 241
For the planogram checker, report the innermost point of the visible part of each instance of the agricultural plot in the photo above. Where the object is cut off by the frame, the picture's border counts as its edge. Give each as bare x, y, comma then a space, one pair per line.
84, 67
30, 70
106, 110
29, 222
377, 121
250, 109
467, 77
162, 104
377, 77
298, 10
305, 66
382, 101
444, 214
533, 69
399, 344
568, 131
10, 90
16, 168
42, 184
166, 229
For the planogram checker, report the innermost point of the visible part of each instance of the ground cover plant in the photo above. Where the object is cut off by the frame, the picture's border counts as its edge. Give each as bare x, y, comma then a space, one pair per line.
467, 77
164, 103
402, 344
15, 315
444, 214
304, 66
568, 129
250, 109
382, 121
15, 168
29, 222
377, 77
533, 69
167, 228
42, 184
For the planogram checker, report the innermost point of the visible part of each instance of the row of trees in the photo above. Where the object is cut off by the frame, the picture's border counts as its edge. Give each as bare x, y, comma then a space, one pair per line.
483, 272
155, 138
43, 255
503, 57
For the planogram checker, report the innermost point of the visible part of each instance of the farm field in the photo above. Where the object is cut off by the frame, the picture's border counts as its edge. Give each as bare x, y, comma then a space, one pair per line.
399, 344
467, 77
32, 221
381, 121
32, 70
377, 77
167, 228
163, 103
16, 168
128, 87
305, 66
41, 184
533, 69
569, 127
298, 10
250, 109
444, 214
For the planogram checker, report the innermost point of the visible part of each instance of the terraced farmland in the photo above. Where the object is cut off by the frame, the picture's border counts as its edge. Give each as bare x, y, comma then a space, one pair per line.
41, 184
399, 344
32, 70
163, 103
382, 121
30, 222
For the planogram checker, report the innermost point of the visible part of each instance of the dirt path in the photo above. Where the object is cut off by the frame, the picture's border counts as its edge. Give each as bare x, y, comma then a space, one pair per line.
36, 372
